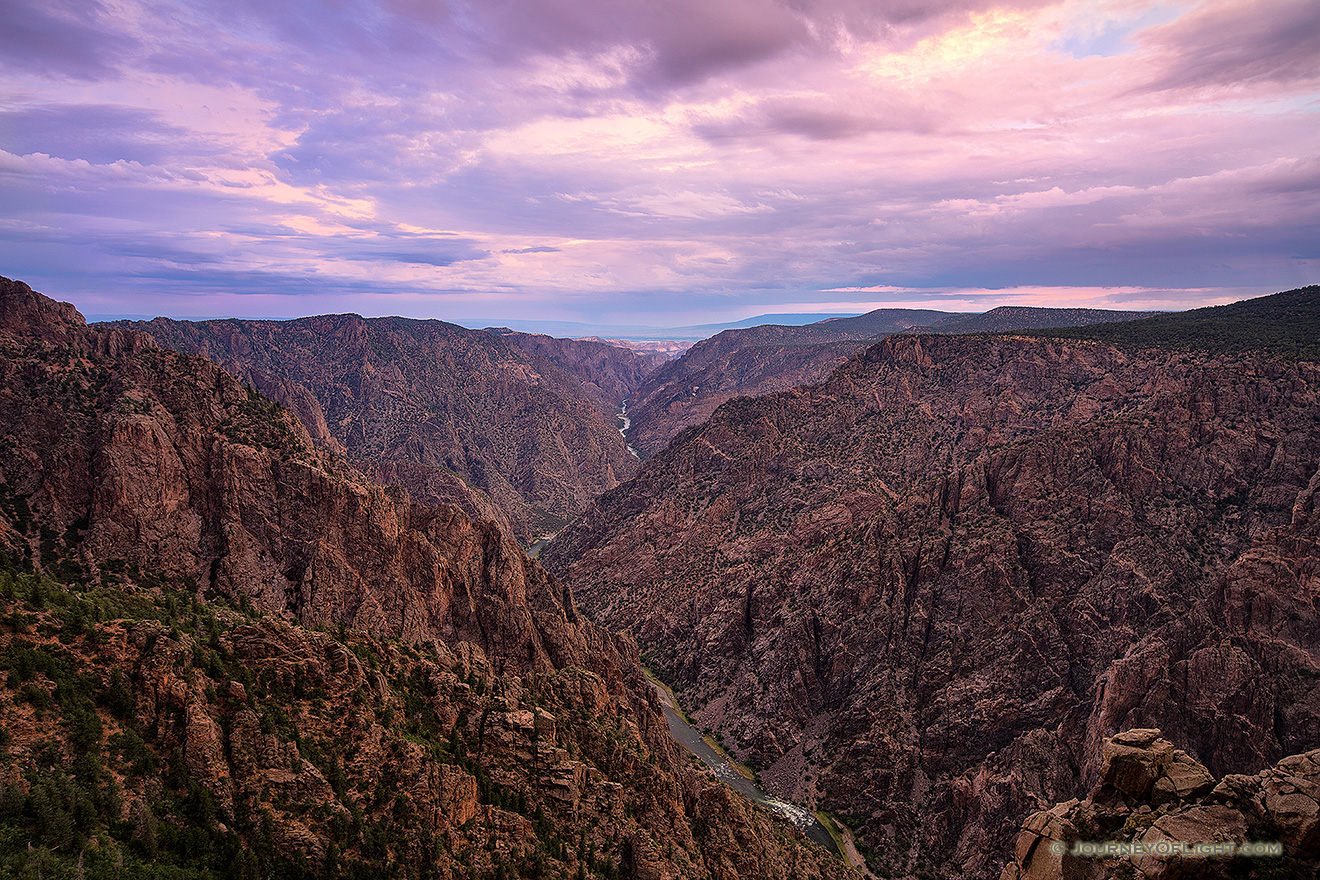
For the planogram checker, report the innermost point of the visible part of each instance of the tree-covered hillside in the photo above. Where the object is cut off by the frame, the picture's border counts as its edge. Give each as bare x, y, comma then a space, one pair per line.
1286, 324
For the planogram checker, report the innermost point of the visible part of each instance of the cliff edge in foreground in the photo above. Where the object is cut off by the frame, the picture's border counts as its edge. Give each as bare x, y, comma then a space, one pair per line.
1158, 813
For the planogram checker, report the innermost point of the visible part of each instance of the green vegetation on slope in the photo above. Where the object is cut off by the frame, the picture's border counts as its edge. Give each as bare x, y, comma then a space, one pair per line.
99, 771
1284, 324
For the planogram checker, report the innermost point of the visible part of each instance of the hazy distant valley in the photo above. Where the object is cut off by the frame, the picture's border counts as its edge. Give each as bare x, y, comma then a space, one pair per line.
268, 604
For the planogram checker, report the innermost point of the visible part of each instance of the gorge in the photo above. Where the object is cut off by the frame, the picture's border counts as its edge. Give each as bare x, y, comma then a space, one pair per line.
920, 592
924, 595
230, 652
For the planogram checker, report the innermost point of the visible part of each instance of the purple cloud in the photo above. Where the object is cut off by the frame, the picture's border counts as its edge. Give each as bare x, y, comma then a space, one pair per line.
705, 159
1239, 44
97, 133
62, 39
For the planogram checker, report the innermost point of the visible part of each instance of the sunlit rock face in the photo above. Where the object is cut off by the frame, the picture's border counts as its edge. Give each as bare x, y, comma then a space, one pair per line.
923, 591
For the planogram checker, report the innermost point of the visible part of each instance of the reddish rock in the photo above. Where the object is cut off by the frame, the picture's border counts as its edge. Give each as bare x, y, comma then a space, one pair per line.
609, 373
155, 481
1190, 837
978, 557
435, 406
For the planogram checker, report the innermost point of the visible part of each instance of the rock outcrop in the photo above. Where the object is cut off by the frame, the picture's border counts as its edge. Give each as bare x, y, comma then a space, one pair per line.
419, 400
922, 592
171, 540
1158, 813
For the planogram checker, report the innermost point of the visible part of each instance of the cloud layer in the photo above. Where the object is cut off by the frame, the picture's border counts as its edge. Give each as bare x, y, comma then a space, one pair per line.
674, 162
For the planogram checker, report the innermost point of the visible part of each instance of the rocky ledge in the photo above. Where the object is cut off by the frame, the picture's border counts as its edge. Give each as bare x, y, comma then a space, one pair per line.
1158, 813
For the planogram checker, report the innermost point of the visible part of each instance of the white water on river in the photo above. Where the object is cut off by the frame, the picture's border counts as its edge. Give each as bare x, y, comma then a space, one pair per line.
689, 738
624, 424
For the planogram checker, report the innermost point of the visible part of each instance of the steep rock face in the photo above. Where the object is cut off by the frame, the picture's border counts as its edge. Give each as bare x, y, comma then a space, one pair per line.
161, 460
144, 729
609, 373
923, 591
129, 472
687, 391
394, 390
432, 486
1157, 812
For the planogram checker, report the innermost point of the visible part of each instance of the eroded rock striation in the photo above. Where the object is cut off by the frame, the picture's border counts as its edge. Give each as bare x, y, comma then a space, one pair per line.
922, 592
426, 402
171, 540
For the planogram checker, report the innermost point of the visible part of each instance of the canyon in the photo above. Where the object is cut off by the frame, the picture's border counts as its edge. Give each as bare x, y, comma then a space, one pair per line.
921, 592
229, 651
439, 409
269, 611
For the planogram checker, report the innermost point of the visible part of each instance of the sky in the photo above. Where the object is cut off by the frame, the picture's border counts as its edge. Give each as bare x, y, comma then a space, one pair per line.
656, 162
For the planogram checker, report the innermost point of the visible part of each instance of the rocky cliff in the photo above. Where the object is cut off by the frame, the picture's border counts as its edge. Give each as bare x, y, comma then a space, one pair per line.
145, 733
922, 592
609, 373
425, 402
687, 391
751, 361
1157, 812
770, 358
176, 553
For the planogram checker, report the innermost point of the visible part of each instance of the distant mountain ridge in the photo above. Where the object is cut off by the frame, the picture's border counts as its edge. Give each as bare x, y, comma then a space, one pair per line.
1009, 318
1286, 324
770, 358
667, 348
639, 333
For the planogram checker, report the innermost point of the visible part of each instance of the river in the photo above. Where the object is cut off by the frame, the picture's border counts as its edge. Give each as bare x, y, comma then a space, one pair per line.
691, 739
624, 424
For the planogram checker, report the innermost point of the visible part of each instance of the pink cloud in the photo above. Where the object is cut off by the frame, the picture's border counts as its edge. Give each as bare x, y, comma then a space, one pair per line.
1238, 45
615, 155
